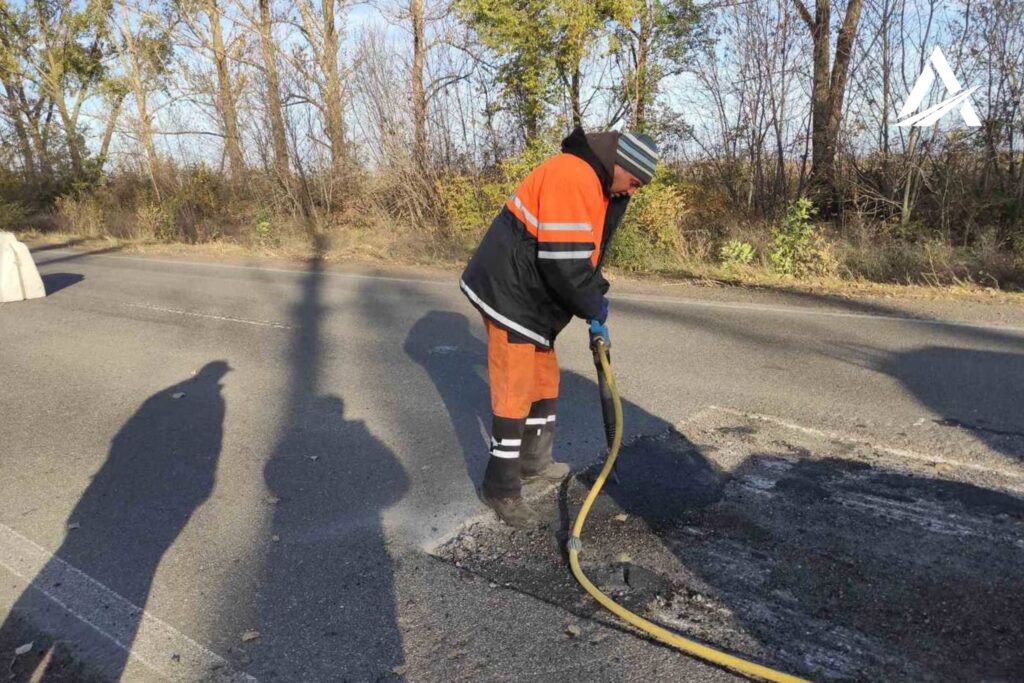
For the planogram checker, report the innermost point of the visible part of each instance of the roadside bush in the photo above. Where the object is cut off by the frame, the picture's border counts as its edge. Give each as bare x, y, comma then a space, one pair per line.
649, 234
798, 248
264, 230
470, 202
466, 207
197, 206
151, 222
12, 215
80, 216
736, 253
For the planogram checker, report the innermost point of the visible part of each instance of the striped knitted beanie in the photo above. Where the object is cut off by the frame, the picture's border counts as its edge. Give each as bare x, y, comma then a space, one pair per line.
638, 154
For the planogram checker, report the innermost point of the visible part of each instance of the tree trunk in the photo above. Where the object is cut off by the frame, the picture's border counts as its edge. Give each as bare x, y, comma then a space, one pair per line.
225, 95
146, 133
419, 99
39, 129
334, 113
28, 159
908, 188
108, 130
641, 89
829, 89
52, 69
72, 141
574, 97
133, 65
886, 185
277, 130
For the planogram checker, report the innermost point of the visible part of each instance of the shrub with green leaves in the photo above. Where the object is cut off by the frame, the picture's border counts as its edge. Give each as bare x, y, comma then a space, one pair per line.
649, 233
736, 253
798, 248
264, 228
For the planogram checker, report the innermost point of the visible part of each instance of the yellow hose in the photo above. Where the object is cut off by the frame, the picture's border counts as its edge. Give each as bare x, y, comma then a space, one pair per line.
575, 545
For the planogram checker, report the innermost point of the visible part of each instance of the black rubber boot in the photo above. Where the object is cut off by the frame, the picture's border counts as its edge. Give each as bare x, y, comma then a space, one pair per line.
502, 478
513, 511
502, 489
538, 463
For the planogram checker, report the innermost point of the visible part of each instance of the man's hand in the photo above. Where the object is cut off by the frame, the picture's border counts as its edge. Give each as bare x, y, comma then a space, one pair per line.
598, 330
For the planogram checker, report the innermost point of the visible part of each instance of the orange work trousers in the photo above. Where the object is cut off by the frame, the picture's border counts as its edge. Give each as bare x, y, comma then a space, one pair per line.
519, 372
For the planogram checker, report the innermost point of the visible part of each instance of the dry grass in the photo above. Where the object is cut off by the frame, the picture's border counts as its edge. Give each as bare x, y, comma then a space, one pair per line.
675, 233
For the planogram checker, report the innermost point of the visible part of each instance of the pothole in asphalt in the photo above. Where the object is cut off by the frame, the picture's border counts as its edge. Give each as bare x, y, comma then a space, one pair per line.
829, 558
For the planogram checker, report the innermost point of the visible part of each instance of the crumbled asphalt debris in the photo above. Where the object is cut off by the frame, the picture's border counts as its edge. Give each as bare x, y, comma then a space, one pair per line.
833, 559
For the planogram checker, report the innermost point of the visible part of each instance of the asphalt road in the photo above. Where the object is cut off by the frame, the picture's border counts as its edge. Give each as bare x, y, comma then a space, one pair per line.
260, 457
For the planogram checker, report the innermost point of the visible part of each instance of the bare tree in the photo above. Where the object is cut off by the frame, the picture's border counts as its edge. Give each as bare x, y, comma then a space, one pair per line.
143, 49
275, 111
226, 102
319, 26
419, 96
829, 86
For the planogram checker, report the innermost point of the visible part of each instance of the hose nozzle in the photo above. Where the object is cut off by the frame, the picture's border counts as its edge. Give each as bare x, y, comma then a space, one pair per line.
599, 335
600, 345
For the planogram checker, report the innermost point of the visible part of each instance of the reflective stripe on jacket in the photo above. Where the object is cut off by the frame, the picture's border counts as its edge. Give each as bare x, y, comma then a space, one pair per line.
539, 263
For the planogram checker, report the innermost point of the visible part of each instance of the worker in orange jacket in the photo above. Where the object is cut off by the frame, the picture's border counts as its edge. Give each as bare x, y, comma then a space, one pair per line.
537, 266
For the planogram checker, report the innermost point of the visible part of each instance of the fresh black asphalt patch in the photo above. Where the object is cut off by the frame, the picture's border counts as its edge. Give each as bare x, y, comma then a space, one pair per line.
818, 555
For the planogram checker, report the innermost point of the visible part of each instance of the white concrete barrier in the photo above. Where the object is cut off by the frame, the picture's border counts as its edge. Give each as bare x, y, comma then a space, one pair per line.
19, 278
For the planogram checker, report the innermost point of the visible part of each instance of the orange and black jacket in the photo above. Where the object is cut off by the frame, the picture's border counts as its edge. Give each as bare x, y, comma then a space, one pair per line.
539, 264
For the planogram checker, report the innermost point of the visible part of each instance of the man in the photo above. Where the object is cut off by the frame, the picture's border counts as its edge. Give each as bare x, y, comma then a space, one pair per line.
538, 266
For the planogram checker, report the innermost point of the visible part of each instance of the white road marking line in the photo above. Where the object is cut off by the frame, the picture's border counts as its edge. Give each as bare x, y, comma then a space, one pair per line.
209, 316
641, 298
154, 644
271, 269
1013, 473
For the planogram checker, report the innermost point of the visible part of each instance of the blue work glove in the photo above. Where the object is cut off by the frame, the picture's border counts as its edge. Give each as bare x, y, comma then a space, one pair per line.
599, 329
602, 317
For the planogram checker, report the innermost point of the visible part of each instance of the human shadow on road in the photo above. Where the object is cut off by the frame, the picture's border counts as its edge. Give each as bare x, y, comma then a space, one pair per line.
456, 361
326, 598
161, 467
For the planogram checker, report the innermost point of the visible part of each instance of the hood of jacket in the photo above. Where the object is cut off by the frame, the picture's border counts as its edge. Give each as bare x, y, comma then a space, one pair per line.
598, 150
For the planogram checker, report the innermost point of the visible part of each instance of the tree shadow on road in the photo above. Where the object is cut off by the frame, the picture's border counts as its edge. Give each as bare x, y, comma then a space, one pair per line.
78, 255
326, 598
978, 389
66, 244
161, 467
